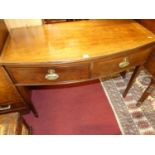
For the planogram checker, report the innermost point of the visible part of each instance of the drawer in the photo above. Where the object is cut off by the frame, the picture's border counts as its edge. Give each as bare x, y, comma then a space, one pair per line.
110, 66
49, 75
9, 107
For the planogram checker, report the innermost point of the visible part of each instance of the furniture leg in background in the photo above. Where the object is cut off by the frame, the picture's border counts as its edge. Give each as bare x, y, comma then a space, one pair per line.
147, 92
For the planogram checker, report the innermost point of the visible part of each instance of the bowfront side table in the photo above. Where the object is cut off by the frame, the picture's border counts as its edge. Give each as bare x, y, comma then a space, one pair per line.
74, 52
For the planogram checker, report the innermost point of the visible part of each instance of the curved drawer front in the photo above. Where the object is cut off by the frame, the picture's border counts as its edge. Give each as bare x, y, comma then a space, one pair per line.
110, 66
49, 75
75, 72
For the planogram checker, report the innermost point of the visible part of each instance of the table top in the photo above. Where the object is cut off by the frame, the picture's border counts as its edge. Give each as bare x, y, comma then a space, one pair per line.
74, 41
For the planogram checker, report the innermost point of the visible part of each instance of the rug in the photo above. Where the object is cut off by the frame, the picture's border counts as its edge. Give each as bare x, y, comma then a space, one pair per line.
76, 109
132, 120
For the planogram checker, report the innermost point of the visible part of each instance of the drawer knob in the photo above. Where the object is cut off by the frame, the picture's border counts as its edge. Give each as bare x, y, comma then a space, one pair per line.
5, 107
124, 63
51, 75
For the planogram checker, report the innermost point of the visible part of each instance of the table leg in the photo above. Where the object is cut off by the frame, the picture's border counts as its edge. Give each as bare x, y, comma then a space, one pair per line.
147, 92
25, 93
132, 79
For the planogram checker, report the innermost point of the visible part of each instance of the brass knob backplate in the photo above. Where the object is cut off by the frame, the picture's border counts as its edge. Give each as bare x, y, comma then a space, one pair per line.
51, 75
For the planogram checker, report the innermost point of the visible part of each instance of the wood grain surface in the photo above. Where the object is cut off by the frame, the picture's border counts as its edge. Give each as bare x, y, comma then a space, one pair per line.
74, 41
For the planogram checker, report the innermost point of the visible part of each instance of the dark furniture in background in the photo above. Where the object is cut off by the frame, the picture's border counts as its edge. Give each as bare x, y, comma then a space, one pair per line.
3, 33
53, 21
10, 98
148, 23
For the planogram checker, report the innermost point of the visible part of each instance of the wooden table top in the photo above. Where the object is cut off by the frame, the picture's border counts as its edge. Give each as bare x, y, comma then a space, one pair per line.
74, 41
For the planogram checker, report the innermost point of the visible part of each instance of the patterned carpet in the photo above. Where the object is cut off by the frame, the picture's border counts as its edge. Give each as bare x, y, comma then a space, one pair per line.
132, 120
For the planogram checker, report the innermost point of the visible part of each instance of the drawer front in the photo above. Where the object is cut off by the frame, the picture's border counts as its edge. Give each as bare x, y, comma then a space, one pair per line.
49, 75
10, 107
105, 67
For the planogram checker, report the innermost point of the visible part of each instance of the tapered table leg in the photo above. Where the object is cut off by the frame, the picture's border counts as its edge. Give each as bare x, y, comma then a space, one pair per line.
132, 79
147, 92
25, 93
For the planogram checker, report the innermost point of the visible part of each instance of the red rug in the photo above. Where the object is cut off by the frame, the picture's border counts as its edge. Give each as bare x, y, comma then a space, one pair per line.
72, 109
